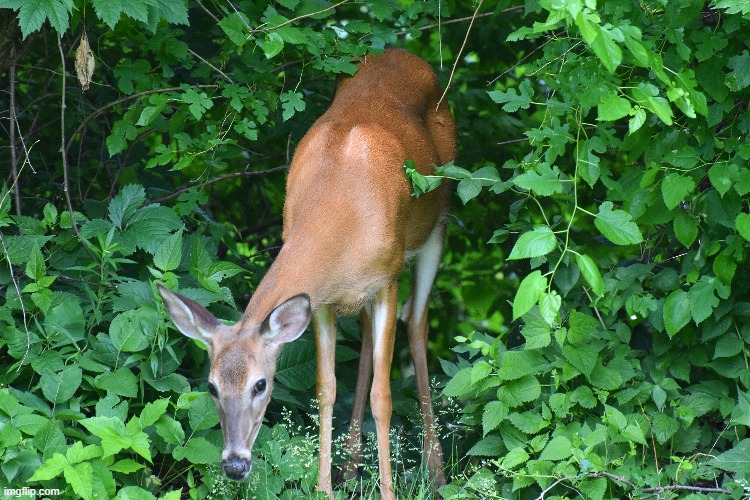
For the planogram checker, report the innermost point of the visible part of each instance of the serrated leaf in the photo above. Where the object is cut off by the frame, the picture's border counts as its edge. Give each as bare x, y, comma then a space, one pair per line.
549, 306
514, 458
33, 13
51, 468
613, 107
80, 478
583, 357
468, 189
198, 451
702, 299
169, 254
742, 223
617, 225
125, 204
59, 387
236, 29
735, 460
529, 292
493, 414
676, 312
536, 243
543, 181
675, 188
291, 103
558, 448
152, 411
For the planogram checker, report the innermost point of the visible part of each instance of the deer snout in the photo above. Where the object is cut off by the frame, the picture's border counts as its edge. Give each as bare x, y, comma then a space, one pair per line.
236, 468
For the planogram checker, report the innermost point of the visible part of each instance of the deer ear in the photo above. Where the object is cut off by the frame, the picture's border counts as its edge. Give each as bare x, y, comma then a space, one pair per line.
191, 318
288, 321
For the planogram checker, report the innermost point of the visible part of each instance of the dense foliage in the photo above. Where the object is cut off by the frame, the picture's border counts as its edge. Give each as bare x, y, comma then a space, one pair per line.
591, 316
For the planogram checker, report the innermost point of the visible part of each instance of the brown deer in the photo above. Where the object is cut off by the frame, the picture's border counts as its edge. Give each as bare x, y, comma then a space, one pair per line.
350, 224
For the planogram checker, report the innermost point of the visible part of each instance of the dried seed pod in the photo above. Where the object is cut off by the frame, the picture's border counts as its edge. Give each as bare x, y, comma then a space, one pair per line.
84, 62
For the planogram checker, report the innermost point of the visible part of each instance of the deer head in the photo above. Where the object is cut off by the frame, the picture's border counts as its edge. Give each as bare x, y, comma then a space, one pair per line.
243, 364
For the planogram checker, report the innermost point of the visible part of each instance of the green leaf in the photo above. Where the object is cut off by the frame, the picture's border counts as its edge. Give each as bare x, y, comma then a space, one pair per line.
723, 176
51, 468
514, 458
513, 100
676, 312
169, 254
613, 107
468, 189
236, 28
198, 451
617, 225
739, 77
685, 228
518, 364
543, 181
590, 273
549, 307
493, 414
558, 448
59, 387
742, 223
202, 413
272, 45
125, 204
129, 333
637, 121
529, 292
583, 357
675, 188
702, 299
33, 13
536, 243
152, 411
198, 102
291, 102
80, 477
735, 460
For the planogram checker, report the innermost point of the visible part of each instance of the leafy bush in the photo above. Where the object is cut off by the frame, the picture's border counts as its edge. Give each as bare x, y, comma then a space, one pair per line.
591, 313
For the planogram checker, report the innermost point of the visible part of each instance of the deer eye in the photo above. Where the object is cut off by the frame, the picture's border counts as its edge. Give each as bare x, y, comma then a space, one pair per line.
212, 389
260, 386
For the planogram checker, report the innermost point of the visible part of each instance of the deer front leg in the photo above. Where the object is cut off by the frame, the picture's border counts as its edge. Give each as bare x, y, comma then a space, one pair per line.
324, 323
383, 336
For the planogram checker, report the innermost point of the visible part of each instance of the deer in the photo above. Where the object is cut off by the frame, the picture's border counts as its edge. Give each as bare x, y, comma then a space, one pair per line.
350, 224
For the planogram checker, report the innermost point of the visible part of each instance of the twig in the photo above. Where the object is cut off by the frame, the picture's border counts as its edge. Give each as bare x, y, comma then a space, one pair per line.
226, 77
460, 51
20, 301
112, 104
185, 189
523, 60
12, 132
303, 16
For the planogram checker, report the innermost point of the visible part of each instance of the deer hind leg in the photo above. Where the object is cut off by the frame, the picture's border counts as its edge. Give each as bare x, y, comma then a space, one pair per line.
383, 335
324, 323
424, 274
364, 375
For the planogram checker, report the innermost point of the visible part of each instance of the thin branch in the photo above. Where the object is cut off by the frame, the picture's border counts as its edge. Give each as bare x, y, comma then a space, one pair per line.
12, 132
523, 60
245, 173
112, 104
265, 30
20, 301
226, 77
460, 51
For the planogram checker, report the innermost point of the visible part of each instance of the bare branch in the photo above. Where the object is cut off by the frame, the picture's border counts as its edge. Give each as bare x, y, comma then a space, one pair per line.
185, 189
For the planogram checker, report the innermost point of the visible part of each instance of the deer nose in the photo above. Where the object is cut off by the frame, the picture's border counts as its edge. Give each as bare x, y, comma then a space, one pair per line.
236, 467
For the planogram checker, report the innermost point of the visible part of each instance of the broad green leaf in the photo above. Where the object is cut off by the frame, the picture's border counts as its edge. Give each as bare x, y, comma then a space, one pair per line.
60, 387
493, 414
169, 254
723, 175
170, 430
198, 451
128, 334
529, 292
739, 77
583, 357
121, 382
468, 189
514, 458
558, 448
685, 228
125, 203
543, 181
536, 332
460, 385
549, 307
728, 345
617, 225
152, 411
291, 103
702, 299
513, 100
33, 13
51, 468
202, 413
126, 466
518, 364
524, 389
676, 312
590, 273
613, 107
272, 45
742, 223
637, 120
735, 460
675, 188
536, 243
80, 477
236, 28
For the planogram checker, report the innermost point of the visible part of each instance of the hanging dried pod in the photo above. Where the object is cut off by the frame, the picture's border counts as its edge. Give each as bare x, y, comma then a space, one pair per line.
84, 62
